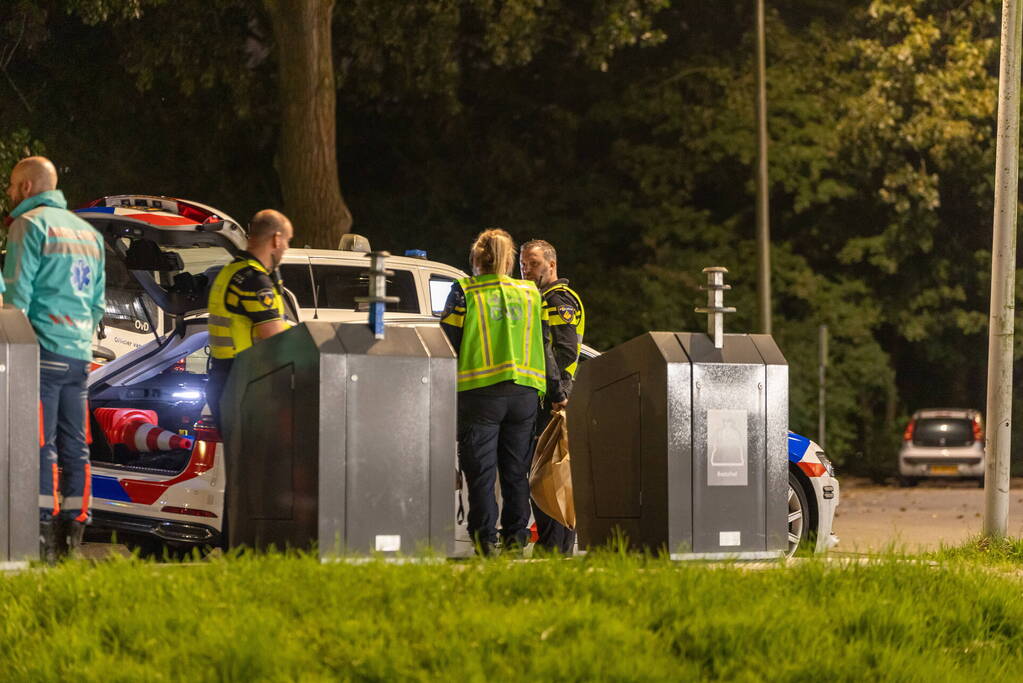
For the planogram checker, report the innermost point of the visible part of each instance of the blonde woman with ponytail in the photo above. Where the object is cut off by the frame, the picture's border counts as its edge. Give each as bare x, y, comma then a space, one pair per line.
498, 325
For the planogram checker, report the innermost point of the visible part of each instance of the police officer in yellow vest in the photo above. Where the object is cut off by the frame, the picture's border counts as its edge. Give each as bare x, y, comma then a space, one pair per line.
498, 324
245, 303
538, 262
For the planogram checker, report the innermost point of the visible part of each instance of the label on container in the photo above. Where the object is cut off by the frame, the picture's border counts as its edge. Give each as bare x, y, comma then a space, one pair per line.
388, 543
729, 538
727, 441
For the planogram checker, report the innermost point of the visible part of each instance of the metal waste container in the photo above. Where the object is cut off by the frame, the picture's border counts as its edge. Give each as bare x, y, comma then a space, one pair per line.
341, 439
682, 445
19, 439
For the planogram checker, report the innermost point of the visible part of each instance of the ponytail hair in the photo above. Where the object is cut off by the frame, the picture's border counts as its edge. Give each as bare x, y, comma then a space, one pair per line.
493, 253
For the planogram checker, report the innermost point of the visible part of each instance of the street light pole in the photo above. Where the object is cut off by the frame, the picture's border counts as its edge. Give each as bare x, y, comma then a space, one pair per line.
763, 224
1003, 279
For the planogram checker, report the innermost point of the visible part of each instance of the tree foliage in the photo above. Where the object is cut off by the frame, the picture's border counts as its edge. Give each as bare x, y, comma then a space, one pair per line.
384, 52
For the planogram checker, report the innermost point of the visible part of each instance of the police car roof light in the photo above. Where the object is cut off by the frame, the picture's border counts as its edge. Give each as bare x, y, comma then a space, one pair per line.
416, 253
353, 242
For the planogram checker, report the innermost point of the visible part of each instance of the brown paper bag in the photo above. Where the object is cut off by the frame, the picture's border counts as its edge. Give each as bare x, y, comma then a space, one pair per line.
550, 477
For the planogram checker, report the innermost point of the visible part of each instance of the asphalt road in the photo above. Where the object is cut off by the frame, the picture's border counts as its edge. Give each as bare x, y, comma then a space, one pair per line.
872, 518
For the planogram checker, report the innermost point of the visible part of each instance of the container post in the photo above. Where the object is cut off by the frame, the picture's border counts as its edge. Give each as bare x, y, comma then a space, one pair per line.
377, 298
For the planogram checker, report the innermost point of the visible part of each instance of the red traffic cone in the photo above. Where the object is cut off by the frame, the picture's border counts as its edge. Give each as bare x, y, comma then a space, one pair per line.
137, 429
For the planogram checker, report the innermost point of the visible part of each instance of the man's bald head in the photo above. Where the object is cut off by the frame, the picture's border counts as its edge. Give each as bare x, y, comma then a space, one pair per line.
269, 234
31, 176
267, 223
40, 171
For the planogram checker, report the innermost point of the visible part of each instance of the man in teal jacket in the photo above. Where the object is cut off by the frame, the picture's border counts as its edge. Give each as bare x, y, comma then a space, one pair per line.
54, 272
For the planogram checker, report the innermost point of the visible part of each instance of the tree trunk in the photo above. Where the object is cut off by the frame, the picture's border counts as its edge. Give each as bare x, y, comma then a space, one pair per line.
307, 151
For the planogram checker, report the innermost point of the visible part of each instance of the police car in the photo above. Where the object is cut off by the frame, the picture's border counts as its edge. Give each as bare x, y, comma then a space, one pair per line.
152, 354
813, 496
161, 255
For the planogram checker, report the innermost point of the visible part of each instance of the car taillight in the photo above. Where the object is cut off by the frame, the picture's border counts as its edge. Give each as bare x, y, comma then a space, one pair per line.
194, 213
908, 434
205, 430
179, 365
978, 433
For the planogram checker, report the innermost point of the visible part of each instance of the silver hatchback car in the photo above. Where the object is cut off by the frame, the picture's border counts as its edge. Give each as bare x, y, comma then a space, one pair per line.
946, 443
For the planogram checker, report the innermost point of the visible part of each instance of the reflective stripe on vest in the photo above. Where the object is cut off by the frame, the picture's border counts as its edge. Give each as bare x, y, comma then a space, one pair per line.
502, 336
580, 327
231, 333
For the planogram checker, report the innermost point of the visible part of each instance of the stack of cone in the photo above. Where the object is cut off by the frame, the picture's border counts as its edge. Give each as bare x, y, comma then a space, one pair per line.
138, 430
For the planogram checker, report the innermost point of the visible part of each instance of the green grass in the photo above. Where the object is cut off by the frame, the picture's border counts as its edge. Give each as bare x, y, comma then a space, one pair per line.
609, 616
1003, 553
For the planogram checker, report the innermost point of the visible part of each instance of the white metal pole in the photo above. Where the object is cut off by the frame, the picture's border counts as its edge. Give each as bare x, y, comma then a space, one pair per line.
1003, 278
763, 220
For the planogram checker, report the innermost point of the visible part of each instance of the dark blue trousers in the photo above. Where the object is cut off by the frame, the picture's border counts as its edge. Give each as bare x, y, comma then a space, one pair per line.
495, 431
220, 369
62, 395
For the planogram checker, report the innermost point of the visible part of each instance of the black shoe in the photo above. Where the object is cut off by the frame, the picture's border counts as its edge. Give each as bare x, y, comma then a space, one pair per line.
48, 548
486, 549
514, 547
75, 534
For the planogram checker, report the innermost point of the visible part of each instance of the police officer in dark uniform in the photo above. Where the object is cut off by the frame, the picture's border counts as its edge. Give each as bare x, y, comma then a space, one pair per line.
538, 262
246, 303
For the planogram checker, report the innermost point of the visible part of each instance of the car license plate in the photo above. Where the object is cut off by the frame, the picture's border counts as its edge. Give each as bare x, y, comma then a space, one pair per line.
944, 469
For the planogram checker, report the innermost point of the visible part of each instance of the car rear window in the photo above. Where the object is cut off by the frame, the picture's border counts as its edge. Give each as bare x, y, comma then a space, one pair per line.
128, 307
943, 431
338, 286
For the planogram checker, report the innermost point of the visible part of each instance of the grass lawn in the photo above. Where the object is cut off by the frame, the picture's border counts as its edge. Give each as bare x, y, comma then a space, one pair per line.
609, 616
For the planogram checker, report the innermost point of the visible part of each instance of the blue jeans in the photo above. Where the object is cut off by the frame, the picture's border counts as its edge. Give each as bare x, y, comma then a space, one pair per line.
495, 429
62, 396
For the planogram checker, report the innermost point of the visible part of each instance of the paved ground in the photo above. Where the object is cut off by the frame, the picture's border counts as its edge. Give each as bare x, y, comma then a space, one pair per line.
872, 517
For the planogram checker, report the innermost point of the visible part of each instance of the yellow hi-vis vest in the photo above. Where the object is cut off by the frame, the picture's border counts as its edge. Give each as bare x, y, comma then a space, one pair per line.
502, 336
578, 320
231, 331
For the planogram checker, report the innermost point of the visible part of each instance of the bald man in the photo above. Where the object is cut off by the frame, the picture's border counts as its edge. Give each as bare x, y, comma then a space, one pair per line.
246, 304
54, 272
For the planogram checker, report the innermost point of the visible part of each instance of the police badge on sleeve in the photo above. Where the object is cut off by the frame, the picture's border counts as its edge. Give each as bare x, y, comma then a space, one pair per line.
266, 297
566, 312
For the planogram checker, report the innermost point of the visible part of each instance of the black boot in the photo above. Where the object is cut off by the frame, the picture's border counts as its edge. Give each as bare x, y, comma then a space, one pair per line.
48, 534
75, 534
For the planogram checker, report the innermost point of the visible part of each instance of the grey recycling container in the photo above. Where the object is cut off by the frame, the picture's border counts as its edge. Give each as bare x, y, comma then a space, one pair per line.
342, 440
682, 446
19, 439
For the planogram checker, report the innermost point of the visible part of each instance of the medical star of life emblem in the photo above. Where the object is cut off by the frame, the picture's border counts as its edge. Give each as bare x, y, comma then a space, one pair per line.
81, 274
